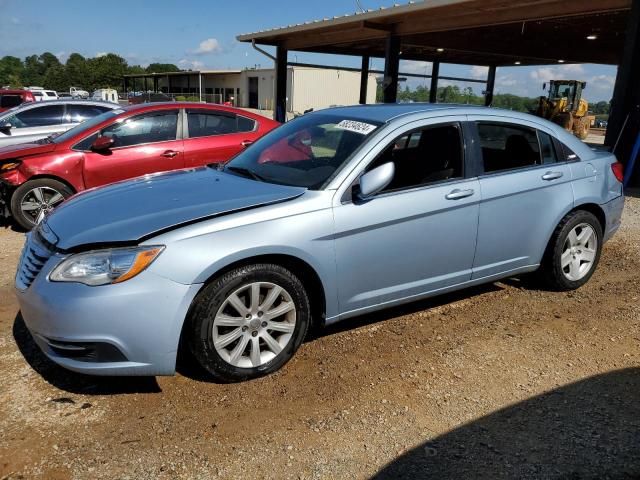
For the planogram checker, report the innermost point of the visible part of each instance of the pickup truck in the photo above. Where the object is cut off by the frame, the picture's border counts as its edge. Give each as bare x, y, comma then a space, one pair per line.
78, 92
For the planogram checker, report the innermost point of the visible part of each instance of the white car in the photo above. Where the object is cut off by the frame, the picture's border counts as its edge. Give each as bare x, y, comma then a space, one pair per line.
40, 94
78, 92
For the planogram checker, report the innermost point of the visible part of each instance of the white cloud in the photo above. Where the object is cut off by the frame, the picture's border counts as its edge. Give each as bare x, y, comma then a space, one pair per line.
478, 71
62, 56
544, 74
210, 45
602, 82
418, 68
187, 64
506, 81
101, 54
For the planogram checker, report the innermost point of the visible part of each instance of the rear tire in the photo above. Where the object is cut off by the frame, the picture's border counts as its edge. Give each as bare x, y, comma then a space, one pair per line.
248, 323
32, 200
573, 252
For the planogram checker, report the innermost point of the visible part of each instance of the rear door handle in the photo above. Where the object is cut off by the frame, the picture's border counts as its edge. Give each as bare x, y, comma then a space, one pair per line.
457, 194
246, 143
169, 154
551, 176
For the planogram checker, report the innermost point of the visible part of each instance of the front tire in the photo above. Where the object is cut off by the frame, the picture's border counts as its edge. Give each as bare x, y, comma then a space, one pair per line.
249, 322
32, 200
573, 252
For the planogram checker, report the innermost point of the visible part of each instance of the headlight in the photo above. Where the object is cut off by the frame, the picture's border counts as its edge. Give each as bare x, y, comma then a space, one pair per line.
102, 267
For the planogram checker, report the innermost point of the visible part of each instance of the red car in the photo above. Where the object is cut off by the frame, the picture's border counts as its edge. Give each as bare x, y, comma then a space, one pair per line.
13, 98
117, 145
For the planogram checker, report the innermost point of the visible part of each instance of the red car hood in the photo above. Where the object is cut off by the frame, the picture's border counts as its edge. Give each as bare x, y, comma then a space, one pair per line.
25, 149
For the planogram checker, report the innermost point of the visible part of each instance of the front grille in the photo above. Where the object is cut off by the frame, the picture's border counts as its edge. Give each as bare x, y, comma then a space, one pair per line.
34, 255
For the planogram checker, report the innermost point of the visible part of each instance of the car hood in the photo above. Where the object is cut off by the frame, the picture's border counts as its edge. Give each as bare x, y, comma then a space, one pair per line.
25, 149
129, 211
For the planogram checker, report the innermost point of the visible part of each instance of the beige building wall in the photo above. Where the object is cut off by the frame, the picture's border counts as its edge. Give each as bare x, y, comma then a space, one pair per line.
322, 88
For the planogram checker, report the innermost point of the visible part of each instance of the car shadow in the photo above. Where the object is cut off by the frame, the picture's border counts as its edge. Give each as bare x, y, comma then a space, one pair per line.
73, 382
588, 429
405, 309
187, 366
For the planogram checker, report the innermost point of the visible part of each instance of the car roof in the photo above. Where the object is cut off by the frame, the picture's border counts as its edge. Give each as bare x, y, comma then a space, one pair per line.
14, 92
29, 105
387, 113
143, 107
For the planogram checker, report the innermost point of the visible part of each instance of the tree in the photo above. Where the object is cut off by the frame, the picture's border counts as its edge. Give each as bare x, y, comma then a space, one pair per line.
106, 71
33, 72
77, 71
162, 68
11, 69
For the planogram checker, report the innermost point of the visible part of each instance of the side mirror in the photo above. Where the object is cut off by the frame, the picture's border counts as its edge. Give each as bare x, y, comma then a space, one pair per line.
376, 180
102, 143
5, 127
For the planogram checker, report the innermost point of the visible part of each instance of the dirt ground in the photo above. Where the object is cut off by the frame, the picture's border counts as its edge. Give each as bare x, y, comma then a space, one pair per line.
501, 381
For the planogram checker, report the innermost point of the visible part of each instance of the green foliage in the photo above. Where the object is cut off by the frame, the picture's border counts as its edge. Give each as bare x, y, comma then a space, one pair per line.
454, 94
162, 68
181, 98
90, 74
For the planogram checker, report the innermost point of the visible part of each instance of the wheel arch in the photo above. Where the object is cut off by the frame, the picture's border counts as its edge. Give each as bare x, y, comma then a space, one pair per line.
299, 267
45, 176
302, 269
593, 208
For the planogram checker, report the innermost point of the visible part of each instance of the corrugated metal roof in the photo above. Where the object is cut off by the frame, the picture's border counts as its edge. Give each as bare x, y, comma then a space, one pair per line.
369, 14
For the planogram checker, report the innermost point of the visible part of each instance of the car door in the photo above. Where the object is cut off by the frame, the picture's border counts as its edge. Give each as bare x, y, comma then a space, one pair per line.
32, 124
419, 234
213, 136
145, 143
525, 191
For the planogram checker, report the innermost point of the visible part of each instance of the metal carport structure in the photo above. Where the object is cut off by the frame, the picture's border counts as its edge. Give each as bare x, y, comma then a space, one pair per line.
491, 33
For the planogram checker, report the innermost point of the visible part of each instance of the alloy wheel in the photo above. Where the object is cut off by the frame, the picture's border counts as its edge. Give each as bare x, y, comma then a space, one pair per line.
39, 201
579, 252
254, 324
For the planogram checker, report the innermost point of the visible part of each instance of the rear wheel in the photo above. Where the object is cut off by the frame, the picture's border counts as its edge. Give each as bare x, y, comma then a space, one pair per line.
248, 322
32, 200
574, 251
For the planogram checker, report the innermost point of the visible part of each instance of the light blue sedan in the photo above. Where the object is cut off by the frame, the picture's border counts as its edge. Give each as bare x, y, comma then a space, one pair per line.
334, 214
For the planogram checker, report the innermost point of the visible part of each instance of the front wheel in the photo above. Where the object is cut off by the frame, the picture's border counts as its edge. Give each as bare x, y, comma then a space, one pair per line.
249, 322
574, 251
32, 200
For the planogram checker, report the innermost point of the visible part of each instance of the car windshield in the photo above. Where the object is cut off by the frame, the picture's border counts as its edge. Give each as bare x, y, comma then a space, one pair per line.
305, 152
86, 125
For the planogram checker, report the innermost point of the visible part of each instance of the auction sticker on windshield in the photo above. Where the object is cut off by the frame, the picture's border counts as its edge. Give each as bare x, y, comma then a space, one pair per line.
357, 127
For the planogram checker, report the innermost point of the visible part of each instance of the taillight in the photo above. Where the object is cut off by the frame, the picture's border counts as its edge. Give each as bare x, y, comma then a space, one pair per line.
618, 171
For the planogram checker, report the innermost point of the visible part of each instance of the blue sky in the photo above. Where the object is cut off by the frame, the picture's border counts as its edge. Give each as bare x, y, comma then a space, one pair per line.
201, 34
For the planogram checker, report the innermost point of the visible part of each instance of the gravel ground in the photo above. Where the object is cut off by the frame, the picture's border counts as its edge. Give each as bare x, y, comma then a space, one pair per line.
501, 381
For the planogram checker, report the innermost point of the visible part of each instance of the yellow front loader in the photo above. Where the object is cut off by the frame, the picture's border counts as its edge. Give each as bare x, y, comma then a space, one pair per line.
566, 107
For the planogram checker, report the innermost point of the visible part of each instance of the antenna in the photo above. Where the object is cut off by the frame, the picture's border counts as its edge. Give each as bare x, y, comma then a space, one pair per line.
359, 5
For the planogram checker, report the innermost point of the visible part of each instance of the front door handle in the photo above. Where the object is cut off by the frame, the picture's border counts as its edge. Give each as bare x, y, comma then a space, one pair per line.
246, 143
169, 154
551, 176
457, 194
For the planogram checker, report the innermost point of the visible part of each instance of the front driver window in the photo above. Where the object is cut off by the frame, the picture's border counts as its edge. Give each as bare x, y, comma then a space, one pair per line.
151, 128
38, 117
423, 157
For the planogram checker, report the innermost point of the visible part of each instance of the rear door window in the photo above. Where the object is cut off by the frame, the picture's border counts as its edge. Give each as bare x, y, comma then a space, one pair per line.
508, 146
203, 123
80, 113
547, 148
